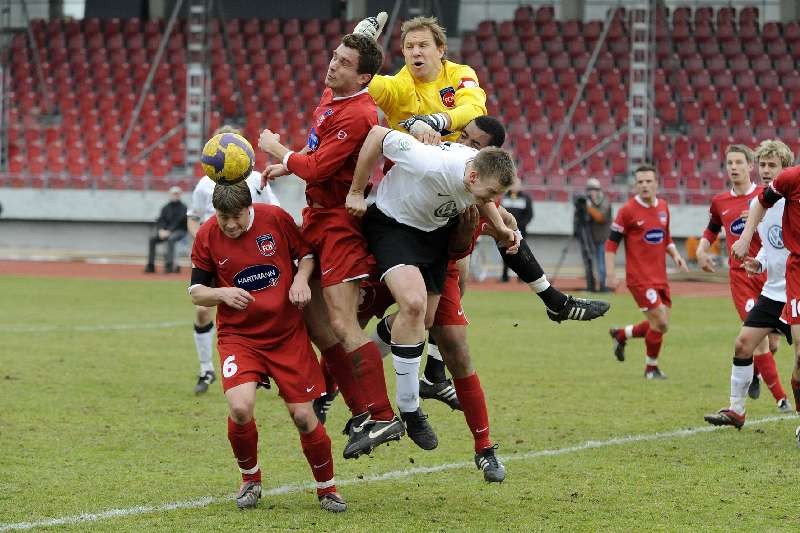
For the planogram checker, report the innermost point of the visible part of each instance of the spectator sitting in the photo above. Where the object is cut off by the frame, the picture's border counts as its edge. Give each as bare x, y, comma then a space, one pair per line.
170, 227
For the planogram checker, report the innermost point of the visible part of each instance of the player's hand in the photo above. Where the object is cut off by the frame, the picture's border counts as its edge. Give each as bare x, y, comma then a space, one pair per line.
356, 204
271, 172
509, 239
467, 222
739, 249
300, 293
680, 262
235, 297
706, 262
424, 133
752, 266
269, 141
372, 26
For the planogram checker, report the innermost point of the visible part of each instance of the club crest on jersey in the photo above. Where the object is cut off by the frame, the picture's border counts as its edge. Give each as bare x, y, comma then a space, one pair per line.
654, 236
266, 245
737, 226
446, 210
257, 277
448, 95
662, 217
775, 237
313, 139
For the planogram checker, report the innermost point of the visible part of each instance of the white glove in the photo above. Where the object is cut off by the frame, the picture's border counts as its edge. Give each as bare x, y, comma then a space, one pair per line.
420, 127
372, 26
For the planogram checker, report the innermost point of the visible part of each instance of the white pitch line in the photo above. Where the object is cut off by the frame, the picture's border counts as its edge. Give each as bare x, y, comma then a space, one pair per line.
96, 327
286, 489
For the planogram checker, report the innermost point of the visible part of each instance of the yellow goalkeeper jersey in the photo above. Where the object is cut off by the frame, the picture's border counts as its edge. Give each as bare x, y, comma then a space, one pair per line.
456, 92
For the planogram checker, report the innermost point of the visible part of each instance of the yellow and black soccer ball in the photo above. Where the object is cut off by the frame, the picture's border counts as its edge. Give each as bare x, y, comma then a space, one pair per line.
227, 158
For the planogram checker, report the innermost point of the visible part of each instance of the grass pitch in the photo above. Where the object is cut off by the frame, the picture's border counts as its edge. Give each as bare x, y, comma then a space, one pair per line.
98, 416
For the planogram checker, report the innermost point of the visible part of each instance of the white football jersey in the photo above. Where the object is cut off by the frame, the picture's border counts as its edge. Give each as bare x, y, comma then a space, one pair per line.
425, 187
773, 253
201, 197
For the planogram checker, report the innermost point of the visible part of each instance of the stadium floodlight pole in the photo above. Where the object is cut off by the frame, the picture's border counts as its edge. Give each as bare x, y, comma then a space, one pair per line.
150, 74
596, 148
226, 39
37, 59
579, 93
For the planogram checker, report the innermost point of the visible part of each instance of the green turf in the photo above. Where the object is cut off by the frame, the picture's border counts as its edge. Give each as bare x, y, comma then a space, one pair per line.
98, 420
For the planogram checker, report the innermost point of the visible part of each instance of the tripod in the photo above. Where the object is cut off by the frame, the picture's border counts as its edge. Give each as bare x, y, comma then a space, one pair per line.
584, 238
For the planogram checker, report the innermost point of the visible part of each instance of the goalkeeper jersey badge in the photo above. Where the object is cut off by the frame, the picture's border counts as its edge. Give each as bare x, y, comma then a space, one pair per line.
448, 95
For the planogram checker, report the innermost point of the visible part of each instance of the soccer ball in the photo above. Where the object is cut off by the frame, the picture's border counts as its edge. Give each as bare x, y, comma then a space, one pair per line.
227, 158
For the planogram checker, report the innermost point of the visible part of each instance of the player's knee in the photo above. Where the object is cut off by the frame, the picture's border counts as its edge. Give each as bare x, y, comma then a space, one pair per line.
241, 412
661, 325
413, 305
304, 419
203, 315
343, 328
740, 347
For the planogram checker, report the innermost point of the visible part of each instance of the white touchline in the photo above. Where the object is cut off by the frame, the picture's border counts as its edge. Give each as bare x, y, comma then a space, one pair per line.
285, 489
95, 327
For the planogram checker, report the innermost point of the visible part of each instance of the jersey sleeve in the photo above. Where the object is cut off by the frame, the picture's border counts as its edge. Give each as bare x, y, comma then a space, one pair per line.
384, 90
201, 253
338, 142
714, 223
470, 98
200, 199
407, 152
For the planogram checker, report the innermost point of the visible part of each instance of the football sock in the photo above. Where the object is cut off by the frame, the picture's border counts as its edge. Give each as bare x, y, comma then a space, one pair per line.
368, 371
203, 341
637, 331
382, 337
244, 442
340, 366
434, 366
765, 366
473, 402
406, 359
525, 265
317, 448
652, 343
330, 383
741, 376
796, 394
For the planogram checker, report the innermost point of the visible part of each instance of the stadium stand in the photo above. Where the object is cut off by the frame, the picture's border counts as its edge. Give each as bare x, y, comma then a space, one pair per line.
531, 67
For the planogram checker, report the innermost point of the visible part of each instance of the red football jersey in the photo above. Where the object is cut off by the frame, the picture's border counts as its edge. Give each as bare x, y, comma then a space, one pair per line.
645, 230
340, 126
726, 212
787, 184
260, 261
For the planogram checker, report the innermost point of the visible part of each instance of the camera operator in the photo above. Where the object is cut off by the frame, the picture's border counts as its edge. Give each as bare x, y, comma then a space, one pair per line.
592, 227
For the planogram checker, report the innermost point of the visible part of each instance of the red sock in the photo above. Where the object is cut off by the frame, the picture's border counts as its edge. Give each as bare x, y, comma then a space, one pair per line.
652, 342
340, 366
640, 329
317, 449
470, 394
330, 383
368, 369
244, 441
765, 365
796, 393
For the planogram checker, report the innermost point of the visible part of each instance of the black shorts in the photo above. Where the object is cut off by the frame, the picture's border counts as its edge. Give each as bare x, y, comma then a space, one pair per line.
394, 244
766, 313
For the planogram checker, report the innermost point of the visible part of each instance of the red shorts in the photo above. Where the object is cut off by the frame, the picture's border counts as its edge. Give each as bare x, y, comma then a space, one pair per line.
449, 312
793, 290
745, 290
338, 243
648, 298
373, 300
292, 364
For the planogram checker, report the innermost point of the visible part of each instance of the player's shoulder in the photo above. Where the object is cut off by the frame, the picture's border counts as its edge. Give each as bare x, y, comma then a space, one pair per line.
205, 184
789, 174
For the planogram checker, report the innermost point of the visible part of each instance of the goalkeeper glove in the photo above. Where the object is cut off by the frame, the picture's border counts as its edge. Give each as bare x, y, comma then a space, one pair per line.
436, 121
372, 26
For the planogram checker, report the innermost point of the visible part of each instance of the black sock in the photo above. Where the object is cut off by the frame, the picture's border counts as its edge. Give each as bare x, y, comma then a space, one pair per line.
553, 299
383, 330
434, 368
526, 266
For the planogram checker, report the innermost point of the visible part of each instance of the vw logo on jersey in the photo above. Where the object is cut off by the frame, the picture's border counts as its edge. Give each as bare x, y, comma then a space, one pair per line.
313, 139
654, 236
775, 237
737, 226
446, 210
266, 244
257, 277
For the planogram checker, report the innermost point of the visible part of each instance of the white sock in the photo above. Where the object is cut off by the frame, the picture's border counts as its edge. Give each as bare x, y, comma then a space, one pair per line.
651, 361
628, 331
204, 343
433, 351
741, 376
406, 371
539, 285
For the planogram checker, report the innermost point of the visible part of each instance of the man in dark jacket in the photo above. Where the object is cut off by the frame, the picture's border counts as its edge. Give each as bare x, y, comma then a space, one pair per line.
520, 205
170, 227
